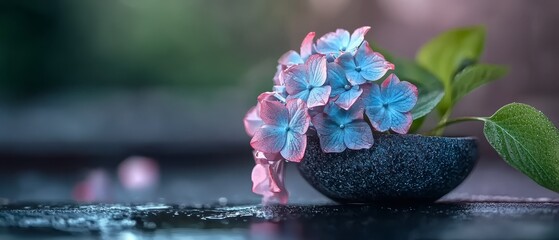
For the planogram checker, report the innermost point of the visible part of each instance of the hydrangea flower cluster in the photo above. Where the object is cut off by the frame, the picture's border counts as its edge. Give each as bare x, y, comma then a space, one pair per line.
327, 88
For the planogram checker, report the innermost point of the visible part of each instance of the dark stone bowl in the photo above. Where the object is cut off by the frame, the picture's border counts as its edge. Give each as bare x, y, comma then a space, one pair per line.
398, 169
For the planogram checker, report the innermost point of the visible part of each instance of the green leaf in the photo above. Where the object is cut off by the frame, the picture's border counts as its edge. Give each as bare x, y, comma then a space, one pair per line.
473, 77
449, 53
445, 54
430, 90
526, 139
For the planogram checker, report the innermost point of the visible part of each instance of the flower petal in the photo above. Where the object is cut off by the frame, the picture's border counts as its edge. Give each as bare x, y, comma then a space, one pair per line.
402, 96
294, 148
380, 118
290, 58
333, 42
316, 69
252, 120
330, 134
357, 38
401, 122
318, 96
347, 62
269, 139
299, 118
373, 65
274, 113
307, 45
260, 180
303, 95
295, 79
347, 98
358, 135
278, 79
336, 78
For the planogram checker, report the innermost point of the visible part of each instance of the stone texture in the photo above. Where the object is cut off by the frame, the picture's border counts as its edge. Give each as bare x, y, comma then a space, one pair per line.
397, 169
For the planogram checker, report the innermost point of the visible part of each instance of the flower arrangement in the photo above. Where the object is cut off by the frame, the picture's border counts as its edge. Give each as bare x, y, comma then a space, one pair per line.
341, 90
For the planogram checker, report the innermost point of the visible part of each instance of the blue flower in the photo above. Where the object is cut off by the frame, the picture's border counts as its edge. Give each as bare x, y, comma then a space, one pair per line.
365, 65
335, 43
344, 92
306, 82
283, 130
339, 129
389, 106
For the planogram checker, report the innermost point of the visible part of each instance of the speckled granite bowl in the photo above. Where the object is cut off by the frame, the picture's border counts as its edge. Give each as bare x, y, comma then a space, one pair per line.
397, 169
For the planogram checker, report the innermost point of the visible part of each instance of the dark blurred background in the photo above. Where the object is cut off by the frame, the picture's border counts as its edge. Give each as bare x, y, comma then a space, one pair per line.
86, 84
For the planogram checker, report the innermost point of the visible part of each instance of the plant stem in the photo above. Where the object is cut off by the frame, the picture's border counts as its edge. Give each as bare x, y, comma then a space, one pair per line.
443, 124
438, 131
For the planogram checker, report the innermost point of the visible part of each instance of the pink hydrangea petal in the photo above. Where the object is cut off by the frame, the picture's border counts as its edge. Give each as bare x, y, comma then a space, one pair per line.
295, 79
266, 96
346, 99
278, 80
299, 118
295, 147
307, 45
357, 38
315, 110
319, 96
269, 139
316, 69
265, 158
268, 181
274, 113
358, 135
260, 181
252, 120
401, 123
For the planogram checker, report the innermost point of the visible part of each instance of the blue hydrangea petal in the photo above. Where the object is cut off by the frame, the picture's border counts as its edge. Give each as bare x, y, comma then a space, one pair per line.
346, 99
290, 58
295, 79
402, 96
269, 139
298, 115
401, 122
303, 95
274, 113
295, 146
316, 70
347, 62
358, 135
357, 38
380, 118
372, 64
318, 96
336, 79
333, 42
331, 136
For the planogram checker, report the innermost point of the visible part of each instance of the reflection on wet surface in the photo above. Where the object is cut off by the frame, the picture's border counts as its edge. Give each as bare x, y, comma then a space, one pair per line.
159, 221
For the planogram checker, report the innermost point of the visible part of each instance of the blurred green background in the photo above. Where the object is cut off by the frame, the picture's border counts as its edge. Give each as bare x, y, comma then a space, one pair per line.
186, 71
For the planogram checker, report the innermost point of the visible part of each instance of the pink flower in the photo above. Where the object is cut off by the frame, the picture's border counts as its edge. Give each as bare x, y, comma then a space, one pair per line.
306, 82
268, 178
284, 129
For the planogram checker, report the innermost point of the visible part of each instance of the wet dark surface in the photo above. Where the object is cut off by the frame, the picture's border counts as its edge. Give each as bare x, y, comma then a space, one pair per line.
445, 220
